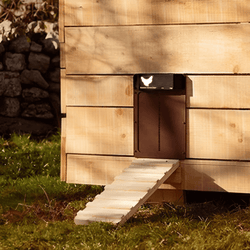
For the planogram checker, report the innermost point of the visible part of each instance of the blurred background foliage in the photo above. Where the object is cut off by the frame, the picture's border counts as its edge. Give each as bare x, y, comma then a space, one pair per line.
28, 10
22, 12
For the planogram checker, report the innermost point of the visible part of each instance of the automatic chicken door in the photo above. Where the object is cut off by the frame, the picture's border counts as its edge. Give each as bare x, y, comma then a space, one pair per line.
160, 116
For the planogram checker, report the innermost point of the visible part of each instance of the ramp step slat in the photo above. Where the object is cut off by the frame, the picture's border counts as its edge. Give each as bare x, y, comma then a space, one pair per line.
141, 165
121, 195
122, 198
148, 170
104, 212
139, 177
86, 219
113, 204
130, 185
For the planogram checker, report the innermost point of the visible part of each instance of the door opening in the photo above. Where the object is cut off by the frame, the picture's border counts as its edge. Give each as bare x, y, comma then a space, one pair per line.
159, 120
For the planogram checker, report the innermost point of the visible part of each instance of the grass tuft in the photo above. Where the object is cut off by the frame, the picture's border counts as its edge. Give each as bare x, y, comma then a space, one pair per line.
22, 157
37, 211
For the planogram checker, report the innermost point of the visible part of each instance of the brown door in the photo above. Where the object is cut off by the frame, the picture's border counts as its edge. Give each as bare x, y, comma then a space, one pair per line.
160, 124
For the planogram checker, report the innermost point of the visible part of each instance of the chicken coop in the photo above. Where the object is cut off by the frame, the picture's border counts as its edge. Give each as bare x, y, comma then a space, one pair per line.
155, 100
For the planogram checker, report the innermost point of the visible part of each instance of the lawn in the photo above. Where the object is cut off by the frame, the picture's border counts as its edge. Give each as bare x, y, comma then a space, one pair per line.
37, 210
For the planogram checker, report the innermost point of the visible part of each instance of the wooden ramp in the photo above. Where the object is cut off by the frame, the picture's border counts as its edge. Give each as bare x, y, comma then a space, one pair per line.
122, 198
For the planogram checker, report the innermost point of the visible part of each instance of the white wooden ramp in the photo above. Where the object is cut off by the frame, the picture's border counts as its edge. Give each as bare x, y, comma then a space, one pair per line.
123, 197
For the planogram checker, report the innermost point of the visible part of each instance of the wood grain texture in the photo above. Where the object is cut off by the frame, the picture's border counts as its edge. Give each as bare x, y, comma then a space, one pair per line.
95, 170
123, 195
111, 208
62, 56
112, 204
102, 170
99, 91
133, 12
218, 176
63, 168
158, 49
167, 195
100, 131
63, 91
218, 91
218, 134
199, 175
174, 182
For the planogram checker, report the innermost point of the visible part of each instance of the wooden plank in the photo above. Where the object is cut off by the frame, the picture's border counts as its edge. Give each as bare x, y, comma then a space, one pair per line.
170, 186
112, 204
150, 192
218, 134
106, 213
138, 177
95, 170
86, 219
99, 91
129, 181
63, 91
133, 12
153, 164
173, 182
165, 195
158, 49
175, 178
148, 170
100, 131
62, 56
220, 176
61, 20
131, 185
63, 168
100, 207
120, 195
218, 91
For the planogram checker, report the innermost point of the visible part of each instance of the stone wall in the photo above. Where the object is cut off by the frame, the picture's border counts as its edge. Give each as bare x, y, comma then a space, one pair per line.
30, 84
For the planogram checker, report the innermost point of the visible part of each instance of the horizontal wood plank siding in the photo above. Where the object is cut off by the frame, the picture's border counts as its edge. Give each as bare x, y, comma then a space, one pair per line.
99, 91
218, 92
218, 134
136, 12
158, 49
219, 176
97, 170
199, 175
100, 131
104, 43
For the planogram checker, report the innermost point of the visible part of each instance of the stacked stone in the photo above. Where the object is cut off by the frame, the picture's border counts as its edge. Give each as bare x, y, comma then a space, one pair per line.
29, 84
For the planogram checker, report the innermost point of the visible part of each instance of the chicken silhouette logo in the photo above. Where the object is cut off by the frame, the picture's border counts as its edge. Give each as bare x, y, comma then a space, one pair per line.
148, 81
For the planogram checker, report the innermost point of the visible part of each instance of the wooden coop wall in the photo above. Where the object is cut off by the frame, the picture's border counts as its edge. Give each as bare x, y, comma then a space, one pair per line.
104, 43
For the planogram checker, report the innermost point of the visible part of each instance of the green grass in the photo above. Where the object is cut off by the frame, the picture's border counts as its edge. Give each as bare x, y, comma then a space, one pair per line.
37, 211
21, 157
42, 188
151, 228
